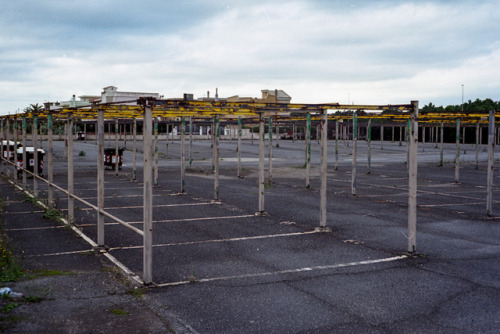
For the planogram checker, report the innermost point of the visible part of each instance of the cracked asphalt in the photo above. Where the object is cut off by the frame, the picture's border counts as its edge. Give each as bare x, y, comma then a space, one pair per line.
219, 268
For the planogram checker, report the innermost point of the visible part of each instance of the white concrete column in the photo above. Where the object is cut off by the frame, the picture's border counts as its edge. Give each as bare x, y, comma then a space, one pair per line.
148, 193
412, 179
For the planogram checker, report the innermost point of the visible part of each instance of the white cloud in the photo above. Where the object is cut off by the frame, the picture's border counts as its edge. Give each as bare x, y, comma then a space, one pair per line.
373, 52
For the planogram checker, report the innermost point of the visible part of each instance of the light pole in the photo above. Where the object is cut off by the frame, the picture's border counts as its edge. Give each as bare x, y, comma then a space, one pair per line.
462, 98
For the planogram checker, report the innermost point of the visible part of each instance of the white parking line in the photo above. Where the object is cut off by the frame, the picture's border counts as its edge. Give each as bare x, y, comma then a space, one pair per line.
220, 240
140, 206
289, 271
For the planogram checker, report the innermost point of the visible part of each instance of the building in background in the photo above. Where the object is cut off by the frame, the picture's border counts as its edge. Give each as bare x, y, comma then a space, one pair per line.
268, 96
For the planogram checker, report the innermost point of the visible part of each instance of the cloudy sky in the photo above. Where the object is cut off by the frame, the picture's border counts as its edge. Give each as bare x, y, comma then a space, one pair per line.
370, 52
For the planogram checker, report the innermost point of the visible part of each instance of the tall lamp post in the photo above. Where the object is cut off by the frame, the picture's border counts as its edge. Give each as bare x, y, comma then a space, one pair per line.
462, 98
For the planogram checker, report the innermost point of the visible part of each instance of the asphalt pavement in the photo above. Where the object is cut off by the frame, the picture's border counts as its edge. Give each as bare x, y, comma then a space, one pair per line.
220, 268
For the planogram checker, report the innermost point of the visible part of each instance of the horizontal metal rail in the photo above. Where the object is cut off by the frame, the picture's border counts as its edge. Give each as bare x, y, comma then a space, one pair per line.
106, 214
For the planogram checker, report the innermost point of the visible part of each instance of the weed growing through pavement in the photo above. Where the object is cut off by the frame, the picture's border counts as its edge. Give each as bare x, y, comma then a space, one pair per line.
118, 311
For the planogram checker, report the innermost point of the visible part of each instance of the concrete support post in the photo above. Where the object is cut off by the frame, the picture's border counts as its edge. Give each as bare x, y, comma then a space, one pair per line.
155, 168
491, 159
477, 146
270, 153
148, 193
308, 151
293, 133
261, 163
35, 155
183, 157
117, 134
239, 148
369, 139
412, 180
457, 156
134, 150
336, 144
71, 170
354, 152
100, 177
324, 160
215, 162
463, 135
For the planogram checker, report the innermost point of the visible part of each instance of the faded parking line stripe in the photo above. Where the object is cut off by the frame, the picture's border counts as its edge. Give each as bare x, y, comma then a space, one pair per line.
289, 271
221, 240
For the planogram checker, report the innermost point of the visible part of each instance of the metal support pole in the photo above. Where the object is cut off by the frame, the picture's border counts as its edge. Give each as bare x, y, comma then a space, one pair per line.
183, 158
369, 138
35, 155
408, 127
382, 136
270, 154
15, 149
71, 180
100, 177
261, 164
423, 139
190, 141
441, 145
50, 160
148, 193
457, 157
336, 144
215, 162
24, 162
491, 159
293, 133
354, 152
324, 160
308, 151
117, 133
134, 150
166, 141
412, 180
392, 134
436, 136
155, 167
477, 146
239, 148
66, 141
1, 146
277, 134
400, 136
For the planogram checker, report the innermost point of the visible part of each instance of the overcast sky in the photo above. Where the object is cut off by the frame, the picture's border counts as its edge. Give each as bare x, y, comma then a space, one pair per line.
366, 52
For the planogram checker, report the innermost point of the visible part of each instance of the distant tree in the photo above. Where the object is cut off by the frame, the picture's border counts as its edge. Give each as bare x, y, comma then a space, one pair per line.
469, 106
34, 108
